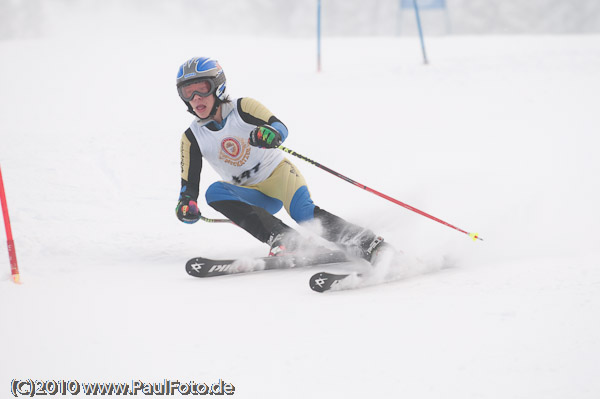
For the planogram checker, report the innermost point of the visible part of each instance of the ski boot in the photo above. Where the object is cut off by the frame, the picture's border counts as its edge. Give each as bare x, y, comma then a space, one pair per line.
375, 250
284, 243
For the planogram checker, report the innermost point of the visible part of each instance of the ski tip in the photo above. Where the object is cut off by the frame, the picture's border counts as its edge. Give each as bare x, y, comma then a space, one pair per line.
196, 267
323, 281
318, 282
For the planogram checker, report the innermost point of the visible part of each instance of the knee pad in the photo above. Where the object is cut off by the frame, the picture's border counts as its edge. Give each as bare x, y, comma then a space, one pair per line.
302, 208
218, 192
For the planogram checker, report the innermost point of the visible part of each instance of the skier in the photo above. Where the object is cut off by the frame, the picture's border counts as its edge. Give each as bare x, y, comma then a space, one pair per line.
239, 139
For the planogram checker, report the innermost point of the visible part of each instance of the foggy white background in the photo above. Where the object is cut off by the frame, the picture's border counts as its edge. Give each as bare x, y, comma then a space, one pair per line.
32, 18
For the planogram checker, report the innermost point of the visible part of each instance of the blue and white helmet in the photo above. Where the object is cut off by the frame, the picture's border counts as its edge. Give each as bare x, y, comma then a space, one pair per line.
202, 69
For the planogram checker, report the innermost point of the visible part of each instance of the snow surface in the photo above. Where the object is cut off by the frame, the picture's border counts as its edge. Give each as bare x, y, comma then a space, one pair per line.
498, 135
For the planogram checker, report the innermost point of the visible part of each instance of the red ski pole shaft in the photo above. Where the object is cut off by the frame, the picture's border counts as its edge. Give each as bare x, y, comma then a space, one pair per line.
12, 253
474, 236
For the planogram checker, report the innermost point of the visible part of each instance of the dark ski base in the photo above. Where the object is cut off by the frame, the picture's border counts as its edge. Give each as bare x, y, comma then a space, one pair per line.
203, 267
323, 281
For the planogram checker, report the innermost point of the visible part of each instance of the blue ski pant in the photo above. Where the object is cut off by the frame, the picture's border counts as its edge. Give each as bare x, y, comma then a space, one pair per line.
285, 187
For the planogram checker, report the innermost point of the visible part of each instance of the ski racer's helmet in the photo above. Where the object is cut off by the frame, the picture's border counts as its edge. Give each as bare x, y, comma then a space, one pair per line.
199, 69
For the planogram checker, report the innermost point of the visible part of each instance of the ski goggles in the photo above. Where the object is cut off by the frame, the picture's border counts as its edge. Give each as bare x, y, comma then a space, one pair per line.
203, 88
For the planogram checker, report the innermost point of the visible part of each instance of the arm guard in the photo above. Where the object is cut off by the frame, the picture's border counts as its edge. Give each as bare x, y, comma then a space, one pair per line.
191, 165
257, 114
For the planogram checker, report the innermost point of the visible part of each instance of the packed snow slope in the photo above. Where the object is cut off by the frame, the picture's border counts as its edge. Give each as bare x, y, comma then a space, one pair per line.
497, 135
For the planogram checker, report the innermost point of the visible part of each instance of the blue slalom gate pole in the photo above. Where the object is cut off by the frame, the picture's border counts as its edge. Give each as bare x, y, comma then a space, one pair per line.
318, 35
420, 32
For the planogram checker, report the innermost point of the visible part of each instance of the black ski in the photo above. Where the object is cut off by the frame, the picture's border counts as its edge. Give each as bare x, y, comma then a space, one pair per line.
203, 267
324, 281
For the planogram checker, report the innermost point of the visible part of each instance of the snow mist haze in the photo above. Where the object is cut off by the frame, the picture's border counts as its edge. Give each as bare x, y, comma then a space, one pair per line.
498, 135
34, 18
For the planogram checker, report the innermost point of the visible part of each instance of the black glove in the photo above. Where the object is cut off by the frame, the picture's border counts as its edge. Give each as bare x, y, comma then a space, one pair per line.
187, 210
265, 136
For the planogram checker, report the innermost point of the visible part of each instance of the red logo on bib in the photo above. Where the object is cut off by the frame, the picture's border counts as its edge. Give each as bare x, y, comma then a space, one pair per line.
231, 146
234, 151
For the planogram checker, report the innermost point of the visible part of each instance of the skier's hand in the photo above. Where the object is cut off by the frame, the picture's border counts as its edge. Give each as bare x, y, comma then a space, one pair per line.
265, 136
187, 210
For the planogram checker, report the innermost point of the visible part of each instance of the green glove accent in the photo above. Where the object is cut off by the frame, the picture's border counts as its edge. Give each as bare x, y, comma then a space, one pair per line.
265, 136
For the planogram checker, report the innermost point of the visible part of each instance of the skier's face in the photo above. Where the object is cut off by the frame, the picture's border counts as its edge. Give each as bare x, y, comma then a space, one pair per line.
202, 105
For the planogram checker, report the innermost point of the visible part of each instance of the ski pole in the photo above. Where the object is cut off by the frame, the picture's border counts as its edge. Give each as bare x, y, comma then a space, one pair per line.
474, 236
207, 220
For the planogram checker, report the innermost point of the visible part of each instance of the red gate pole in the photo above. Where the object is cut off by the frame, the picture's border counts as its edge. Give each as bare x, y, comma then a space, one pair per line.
12, 254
